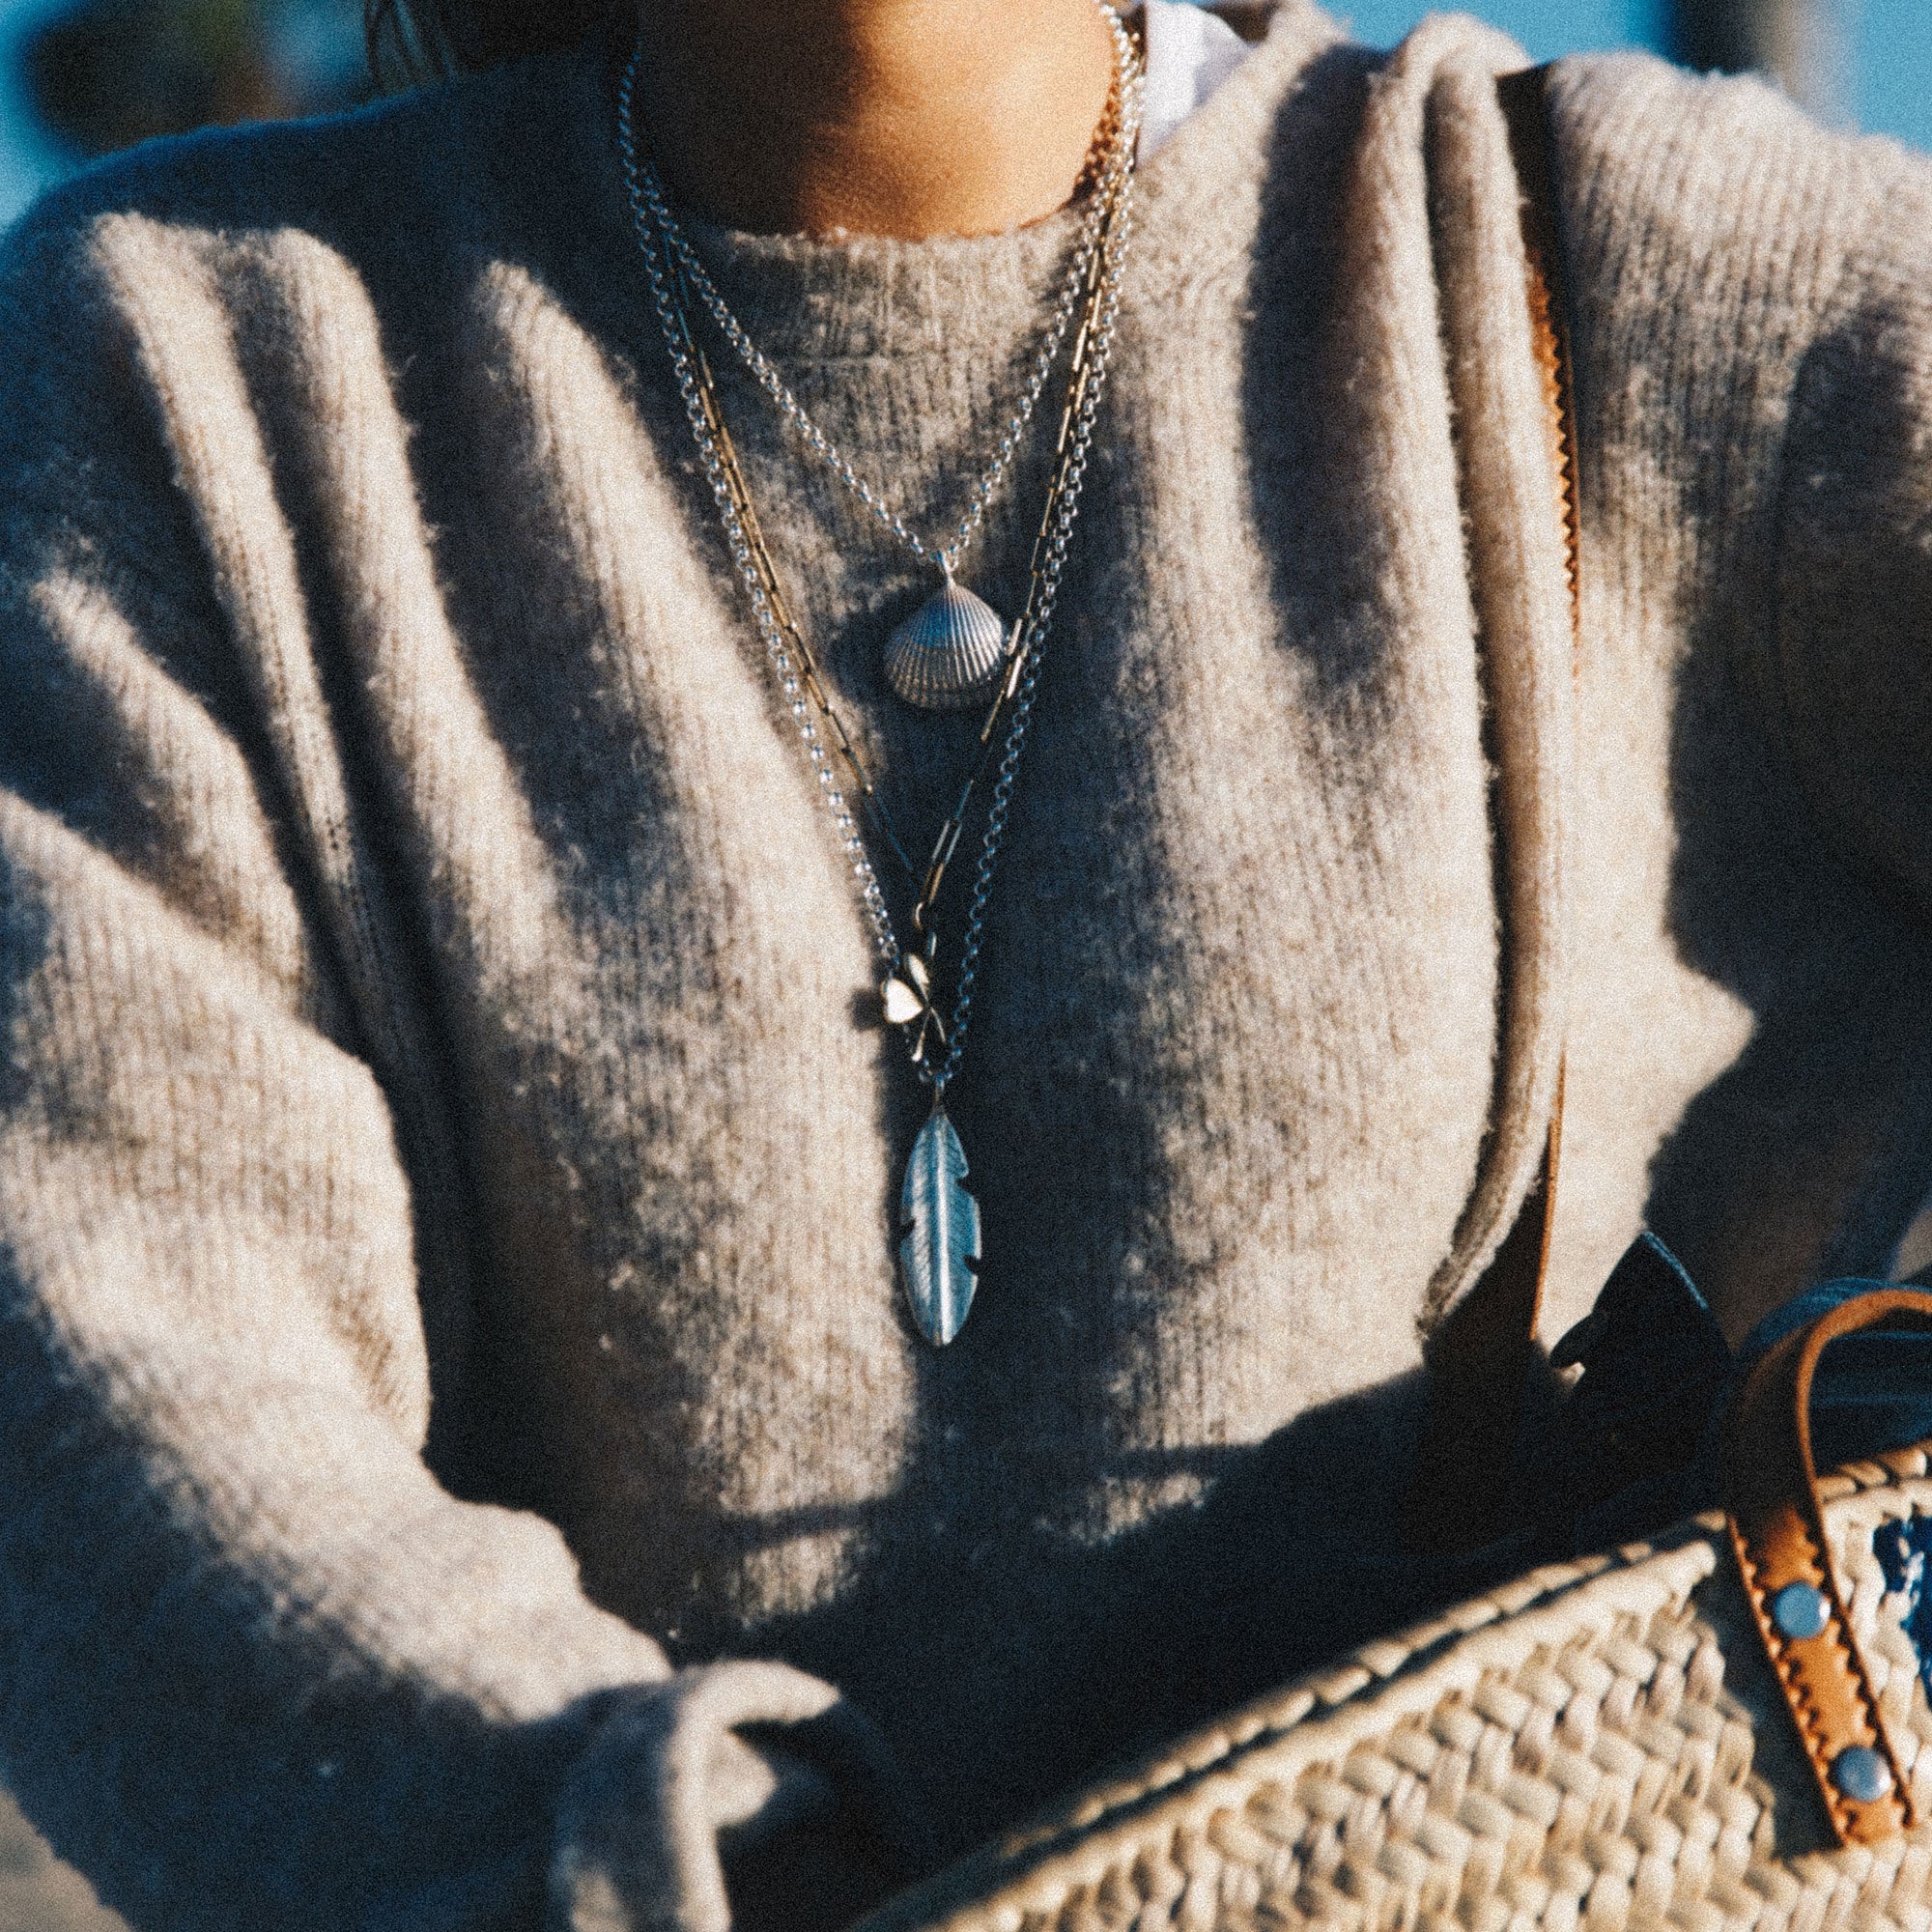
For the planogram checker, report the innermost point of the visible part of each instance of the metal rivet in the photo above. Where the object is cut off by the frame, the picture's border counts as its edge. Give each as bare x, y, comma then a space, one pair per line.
1801, 1610
1862, 1774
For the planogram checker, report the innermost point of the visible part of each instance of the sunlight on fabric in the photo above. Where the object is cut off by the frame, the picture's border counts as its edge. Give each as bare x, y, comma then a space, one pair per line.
1891, 57
1890, 50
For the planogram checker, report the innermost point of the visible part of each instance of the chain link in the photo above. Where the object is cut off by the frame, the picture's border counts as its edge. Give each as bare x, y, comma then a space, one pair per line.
1100, 261
1076, 280
1062, 512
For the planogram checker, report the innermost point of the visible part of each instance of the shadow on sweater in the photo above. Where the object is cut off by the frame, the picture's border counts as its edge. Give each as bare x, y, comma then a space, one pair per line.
1293, 1556
37, 1893
1809, 1157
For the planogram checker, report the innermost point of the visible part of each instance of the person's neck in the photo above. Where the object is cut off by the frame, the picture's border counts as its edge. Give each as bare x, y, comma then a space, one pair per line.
875, 117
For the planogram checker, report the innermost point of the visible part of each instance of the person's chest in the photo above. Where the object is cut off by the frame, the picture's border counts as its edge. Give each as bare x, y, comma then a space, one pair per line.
1233, 1034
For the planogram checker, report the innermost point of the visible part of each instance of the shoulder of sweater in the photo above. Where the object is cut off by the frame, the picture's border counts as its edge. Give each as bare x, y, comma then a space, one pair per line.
157, 242
388, 166
1666, 175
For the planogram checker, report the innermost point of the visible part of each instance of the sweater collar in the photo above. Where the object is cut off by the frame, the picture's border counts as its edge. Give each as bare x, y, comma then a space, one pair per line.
813, 299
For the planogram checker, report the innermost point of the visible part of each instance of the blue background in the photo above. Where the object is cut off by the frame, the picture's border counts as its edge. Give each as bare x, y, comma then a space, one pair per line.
1891, 44
1893, 63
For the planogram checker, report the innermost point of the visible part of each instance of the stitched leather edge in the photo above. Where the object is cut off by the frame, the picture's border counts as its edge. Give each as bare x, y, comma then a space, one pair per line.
1777, 1532
1525, 98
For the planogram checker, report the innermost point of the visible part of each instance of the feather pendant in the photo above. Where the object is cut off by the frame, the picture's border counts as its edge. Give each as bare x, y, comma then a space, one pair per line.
941, 1250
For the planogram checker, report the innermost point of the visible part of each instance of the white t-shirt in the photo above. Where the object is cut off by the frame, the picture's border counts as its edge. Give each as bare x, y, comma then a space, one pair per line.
1189, 53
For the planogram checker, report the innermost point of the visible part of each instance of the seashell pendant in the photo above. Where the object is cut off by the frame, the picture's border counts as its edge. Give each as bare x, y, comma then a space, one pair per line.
949, 654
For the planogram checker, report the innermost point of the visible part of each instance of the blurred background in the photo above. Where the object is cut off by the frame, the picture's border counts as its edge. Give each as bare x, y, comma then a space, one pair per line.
81, 77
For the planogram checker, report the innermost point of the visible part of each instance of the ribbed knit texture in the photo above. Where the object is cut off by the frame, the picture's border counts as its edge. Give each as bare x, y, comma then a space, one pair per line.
449, 1155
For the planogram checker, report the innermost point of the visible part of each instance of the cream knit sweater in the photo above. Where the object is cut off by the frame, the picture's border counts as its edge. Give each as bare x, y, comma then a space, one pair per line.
447, 1154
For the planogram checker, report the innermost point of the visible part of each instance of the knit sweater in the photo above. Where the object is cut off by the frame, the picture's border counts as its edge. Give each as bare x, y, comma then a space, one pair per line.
452, 1367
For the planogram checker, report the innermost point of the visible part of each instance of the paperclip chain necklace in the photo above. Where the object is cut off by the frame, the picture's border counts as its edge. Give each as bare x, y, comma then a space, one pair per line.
941, 1245
947, 655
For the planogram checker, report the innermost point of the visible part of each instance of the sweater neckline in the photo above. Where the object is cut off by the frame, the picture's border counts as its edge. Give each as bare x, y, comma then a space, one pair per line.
814, 298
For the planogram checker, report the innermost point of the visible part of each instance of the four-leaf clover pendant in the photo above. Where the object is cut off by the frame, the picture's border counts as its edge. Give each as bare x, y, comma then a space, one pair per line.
907, 999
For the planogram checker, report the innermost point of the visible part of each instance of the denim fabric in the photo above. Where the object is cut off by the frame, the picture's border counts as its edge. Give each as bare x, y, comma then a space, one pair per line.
1638, 1438
1872, 1392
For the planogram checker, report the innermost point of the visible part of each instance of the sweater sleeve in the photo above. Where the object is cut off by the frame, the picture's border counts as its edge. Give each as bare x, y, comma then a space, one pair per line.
1854, 561
262, 1669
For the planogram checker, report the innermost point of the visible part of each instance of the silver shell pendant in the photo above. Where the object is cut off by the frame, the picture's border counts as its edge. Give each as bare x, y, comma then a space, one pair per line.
949, 654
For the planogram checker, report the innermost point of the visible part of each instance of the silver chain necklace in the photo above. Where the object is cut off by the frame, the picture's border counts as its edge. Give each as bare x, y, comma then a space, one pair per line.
941, 1243
947, 654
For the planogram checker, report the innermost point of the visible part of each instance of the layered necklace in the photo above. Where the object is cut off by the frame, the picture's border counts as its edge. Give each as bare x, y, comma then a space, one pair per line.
953, 653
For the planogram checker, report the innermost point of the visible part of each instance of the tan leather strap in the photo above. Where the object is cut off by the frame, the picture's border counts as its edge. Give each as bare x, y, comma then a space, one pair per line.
1777, 1529
1481, 1359
1525, 105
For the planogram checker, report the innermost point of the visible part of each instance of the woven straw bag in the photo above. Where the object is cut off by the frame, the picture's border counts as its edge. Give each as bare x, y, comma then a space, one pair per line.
1628, 1741
1725, 1727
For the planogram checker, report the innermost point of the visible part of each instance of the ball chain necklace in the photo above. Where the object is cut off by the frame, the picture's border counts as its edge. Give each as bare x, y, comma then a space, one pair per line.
938, 659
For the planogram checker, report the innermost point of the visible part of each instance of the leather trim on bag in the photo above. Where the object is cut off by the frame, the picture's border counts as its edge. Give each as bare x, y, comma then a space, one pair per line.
1524, 98
1777, 1531
1481, 1360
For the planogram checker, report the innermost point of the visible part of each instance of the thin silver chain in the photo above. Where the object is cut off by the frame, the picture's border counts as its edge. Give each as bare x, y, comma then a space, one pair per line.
946, 554
1111, 222
1057, 534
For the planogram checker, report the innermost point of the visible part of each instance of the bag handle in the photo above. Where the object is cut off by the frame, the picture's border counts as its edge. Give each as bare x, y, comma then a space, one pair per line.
1777, 1529
1481, 1360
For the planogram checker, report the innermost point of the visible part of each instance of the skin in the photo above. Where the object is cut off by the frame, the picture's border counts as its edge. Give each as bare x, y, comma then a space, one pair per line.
859, 117
907, 118
873, 117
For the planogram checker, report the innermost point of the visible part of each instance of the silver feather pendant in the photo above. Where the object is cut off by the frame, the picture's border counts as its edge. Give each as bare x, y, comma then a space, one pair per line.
940, 1254
949, 654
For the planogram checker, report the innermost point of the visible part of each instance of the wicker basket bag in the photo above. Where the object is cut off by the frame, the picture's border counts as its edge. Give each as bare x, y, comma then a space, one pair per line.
1637, 1738
1724, 1727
